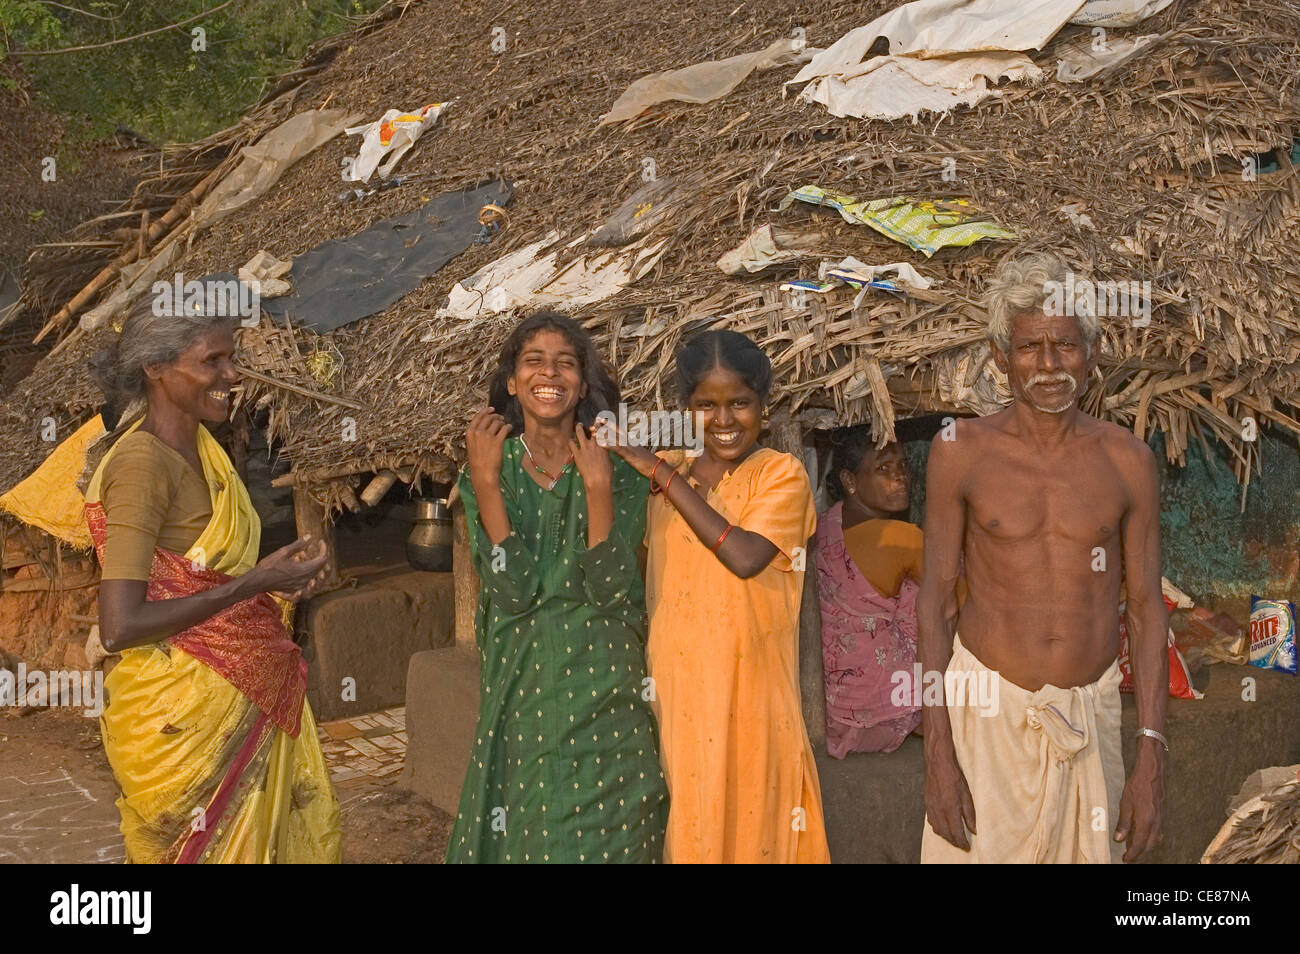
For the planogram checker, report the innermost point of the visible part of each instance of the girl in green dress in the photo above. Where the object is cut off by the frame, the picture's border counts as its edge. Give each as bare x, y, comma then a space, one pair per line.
565, 764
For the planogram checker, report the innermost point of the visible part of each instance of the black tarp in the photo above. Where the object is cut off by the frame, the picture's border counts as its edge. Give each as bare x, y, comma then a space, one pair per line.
346, 279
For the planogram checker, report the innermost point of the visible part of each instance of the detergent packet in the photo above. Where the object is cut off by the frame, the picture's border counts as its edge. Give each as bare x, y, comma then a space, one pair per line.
1272, 634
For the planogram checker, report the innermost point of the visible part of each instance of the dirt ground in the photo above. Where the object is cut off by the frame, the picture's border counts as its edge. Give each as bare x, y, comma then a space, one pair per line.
57, 801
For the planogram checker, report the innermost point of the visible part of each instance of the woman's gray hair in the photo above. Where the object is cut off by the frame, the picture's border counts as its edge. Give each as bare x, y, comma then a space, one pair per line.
151, 335
1023, 286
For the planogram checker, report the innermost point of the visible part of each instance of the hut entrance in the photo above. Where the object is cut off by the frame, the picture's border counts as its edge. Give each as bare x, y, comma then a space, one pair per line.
379, 606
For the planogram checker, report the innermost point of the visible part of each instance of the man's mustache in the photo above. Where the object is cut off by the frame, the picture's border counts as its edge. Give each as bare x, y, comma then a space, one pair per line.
1059, 377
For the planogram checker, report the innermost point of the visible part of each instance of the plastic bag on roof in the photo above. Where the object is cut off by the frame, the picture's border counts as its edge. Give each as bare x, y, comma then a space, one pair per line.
703, 82
923, 226
1117, 13
392, 135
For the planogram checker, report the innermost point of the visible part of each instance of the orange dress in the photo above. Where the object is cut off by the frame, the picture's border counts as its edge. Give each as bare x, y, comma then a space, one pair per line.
723, 656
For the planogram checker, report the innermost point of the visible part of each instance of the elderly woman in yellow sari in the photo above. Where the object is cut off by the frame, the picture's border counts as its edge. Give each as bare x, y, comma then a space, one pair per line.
206, 726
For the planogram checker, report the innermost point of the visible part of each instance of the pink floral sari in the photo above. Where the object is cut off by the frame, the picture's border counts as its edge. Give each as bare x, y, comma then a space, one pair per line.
866, 638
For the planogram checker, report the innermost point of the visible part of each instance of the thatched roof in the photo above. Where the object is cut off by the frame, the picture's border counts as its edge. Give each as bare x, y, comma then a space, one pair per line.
1141, 148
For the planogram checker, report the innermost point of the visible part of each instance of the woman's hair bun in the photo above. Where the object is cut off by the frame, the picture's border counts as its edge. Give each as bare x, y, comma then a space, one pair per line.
103, 370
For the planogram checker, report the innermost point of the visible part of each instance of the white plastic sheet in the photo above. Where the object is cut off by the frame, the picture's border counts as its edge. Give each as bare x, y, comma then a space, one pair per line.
770, 245
944, 53
529, 278
1082, 60
891, 87
267, 159
1117, 13
703, 82
929, 28
901, 273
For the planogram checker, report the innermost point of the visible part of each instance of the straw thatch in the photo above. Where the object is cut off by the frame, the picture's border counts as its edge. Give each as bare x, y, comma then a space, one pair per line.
1264, 831
1152, 151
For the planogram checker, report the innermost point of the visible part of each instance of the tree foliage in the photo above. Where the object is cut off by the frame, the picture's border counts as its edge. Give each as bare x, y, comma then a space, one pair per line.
174, 86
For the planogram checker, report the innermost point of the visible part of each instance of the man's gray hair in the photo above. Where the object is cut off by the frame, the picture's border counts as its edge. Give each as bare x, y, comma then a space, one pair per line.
1022, 286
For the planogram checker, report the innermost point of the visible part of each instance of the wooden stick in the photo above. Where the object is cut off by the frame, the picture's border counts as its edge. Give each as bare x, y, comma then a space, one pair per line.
141, 243
305, 392
114, 268
378, 486
97, 243
310, 519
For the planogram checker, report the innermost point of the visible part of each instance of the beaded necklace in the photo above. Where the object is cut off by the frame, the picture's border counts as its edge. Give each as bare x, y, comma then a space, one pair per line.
553, 478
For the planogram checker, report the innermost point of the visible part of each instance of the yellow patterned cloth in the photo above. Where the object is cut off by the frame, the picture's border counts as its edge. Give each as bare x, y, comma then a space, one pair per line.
922, 226
48, 498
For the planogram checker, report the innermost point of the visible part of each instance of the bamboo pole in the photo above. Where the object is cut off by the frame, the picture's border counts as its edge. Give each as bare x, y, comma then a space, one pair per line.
114, 268
787, 436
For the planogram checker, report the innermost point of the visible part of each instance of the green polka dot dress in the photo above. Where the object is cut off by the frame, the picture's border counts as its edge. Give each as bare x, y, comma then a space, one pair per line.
565, 764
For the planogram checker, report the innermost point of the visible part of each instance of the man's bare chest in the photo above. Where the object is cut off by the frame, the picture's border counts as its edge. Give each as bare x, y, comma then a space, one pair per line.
1074, 501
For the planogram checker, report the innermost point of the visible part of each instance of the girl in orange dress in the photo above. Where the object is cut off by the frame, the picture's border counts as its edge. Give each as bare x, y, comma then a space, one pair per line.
727, 533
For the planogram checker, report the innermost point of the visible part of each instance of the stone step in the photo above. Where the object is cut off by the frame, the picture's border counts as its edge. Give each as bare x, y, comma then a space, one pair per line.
441, 714
360, 640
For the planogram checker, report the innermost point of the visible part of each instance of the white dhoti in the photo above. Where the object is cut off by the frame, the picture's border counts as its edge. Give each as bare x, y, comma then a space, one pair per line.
1045, 770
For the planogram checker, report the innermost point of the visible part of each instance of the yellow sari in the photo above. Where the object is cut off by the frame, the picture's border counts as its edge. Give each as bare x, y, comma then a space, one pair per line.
209, 733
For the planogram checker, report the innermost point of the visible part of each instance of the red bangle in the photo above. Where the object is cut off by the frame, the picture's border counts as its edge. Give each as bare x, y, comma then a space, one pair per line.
714, 548
657, 487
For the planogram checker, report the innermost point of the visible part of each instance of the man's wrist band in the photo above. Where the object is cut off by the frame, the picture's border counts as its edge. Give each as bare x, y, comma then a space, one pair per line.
1155, 735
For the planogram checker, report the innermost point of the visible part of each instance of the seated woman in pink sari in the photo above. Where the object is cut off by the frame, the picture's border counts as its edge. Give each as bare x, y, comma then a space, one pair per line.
868, 570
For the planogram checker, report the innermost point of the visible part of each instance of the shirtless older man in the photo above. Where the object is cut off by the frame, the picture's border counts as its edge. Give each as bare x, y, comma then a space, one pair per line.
1051, 509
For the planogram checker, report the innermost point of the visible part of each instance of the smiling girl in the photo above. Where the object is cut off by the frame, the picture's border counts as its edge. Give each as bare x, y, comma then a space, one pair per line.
727, 532
565, 763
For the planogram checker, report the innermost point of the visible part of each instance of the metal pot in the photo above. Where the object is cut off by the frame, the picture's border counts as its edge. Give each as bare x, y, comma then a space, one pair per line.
429, 545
